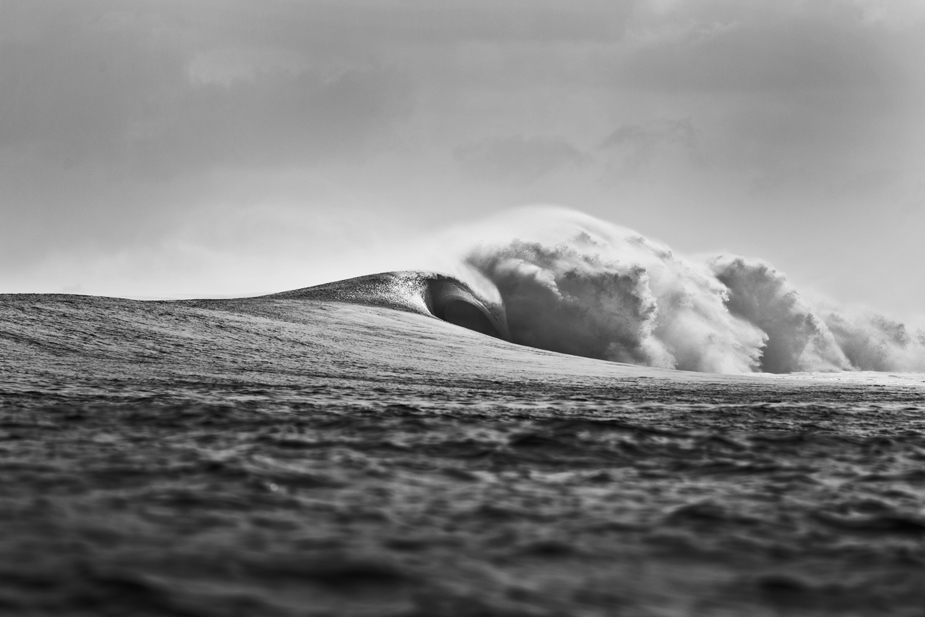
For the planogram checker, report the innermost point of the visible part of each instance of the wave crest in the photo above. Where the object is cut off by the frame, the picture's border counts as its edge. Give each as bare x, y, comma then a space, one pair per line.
563, 281
796, 338
577, 285
618, 297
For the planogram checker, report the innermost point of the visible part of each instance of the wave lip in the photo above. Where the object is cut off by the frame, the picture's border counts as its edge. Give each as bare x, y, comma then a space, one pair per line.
453, 301
426, 293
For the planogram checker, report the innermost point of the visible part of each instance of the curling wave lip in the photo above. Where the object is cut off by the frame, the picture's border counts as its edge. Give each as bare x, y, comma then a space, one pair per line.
438, 295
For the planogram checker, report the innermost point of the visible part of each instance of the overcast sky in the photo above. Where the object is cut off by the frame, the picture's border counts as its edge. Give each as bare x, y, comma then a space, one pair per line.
158, 148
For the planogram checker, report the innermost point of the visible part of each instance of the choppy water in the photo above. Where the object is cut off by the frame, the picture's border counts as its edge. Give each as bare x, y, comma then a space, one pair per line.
293, 456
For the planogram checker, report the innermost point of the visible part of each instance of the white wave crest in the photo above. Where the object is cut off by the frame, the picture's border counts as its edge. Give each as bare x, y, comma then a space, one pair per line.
571, 283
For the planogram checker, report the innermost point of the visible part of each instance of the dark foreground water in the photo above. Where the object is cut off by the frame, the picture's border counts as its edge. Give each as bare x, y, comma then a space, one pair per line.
295, 457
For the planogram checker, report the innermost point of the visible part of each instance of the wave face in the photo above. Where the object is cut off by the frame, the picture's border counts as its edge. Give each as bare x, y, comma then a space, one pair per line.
428, 293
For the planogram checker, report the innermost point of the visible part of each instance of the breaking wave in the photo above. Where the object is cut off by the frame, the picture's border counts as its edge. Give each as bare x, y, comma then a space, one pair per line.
578, 285
563, 281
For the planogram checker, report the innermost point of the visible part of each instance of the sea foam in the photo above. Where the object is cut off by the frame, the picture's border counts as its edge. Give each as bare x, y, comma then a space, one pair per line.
568, 282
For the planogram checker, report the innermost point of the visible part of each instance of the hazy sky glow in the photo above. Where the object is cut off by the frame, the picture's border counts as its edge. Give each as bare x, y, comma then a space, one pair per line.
157, 148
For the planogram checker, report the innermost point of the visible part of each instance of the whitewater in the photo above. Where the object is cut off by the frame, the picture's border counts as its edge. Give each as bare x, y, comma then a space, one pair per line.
569, 419
565, 281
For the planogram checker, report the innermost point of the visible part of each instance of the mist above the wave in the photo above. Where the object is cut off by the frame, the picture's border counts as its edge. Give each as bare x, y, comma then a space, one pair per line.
571, 283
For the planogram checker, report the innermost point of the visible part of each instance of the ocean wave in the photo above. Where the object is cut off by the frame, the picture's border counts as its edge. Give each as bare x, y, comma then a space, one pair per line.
563, 281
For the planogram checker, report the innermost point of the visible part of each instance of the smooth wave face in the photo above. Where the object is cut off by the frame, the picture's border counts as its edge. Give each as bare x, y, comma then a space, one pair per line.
441, 296
562, 281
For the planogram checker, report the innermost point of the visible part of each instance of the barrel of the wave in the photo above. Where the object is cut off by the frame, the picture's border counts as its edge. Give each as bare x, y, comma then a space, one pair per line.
453, 301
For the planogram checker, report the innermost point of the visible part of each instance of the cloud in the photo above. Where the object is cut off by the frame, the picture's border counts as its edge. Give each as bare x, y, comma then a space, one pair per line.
518, 158
274, 119
639, 144
736, 47
762, 122
112, 95
108, 133
355, 24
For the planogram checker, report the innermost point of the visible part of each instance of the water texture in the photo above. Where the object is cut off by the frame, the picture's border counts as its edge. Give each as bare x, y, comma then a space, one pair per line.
329, 455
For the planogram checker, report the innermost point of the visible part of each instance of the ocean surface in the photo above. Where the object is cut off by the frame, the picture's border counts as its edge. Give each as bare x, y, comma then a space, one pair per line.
342, 450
